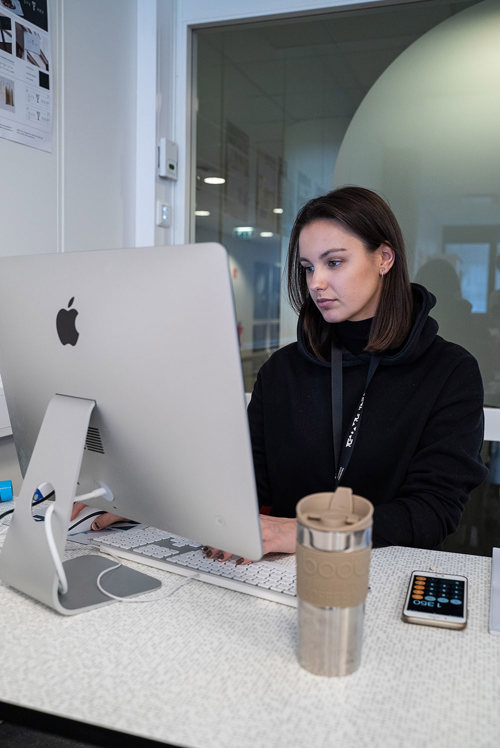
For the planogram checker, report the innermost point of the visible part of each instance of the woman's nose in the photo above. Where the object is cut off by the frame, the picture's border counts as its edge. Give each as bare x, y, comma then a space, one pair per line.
316, 280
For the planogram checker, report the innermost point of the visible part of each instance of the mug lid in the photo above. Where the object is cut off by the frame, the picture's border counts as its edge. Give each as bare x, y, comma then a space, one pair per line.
337, 511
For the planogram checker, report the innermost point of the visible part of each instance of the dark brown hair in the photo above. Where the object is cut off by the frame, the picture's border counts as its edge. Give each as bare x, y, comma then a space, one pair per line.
365, 214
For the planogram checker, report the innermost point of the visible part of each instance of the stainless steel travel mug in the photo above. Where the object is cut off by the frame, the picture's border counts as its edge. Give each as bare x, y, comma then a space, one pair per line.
333, 561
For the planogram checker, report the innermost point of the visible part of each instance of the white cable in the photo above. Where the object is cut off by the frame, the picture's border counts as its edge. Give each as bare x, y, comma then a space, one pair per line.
103, 490
63, 582
100, 587
170, 592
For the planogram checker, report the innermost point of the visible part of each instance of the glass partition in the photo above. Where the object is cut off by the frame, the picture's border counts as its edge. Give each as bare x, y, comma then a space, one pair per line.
387, 97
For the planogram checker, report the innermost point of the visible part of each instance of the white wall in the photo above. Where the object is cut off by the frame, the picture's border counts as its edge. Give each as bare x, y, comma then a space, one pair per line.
166, 85
99, 88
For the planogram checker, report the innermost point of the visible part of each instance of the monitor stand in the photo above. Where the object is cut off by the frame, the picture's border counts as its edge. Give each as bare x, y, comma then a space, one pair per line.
26, 561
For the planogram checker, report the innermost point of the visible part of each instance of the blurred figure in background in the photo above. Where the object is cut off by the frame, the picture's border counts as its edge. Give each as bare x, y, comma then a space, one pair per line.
454, 314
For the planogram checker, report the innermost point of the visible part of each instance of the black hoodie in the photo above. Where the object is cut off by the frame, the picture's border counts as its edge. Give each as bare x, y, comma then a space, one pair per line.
417, 454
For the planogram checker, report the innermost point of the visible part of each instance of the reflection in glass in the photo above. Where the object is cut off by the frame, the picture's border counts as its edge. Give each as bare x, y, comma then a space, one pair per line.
278, 105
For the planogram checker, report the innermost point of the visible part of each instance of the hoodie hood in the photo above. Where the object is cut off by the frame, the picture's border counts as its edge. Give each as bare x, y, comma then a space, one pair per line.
422, 334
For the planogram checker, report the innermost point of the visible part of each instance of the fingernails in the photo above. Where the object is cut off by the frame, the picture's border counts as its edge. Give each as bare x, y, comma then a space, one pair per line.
219, 556
239, 560
95, 525
208, 553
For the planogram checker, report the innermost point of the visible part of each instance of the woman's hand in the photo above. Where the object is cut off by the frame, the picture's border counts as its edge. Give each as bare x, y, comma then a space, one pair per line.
279, 535
102, 521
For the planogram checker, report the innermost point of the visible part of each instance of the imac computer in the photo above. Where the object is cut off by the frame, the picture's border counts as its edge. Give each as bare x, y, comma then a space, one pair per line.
123, 381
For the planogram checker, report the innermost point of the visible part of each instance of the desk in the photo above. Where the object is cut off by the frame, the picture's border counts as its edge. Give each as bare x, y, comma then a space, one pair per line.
209, 667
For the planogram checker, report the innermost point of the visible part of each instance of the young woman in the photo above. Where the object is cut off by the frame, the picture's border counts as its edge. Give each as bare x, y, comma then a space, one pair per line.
369, 396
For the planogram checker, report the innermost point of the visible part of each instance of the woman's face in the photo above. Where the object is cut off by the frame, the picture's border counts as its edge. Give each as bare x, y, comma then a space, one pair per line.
343, 277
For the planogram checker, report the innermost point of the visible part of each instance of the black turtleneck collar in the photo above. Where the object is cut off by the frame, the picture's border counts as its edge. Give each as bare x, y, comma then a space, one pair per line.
354, 335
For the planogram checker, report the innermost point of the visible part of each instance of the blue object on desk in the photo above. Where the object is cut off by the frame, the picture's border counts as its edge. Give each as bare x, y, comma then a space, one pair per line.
6, 493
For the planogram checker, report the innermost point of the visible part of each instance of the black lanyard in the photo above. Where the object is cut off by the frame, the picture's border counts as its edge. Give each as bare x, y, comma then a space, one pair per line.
342, 456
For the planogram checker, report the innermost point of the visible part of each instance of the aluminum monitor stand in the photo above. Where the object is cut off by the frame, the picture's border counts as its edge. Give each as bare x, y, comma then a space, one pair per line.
26, 561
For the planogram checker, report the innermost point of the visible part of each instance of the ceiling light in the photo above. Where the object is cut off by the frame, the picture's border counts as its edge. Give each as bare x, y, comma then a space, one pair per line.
266, 234
214, 180
202, 213
243, 232
279, 211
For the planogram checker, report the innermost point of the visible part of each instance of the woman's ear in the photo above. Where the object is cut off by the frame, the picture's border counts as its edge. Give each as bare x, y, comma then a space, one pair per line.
387, 257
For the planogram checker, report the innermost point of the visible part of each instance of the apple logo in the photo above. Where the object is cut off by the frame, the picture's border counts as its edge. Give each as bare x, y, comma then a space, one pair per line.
65, 323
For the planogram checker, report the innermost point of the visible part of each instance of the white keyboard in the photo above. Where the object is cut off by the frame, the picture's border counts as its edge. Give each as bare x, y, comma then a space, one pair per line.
271, 579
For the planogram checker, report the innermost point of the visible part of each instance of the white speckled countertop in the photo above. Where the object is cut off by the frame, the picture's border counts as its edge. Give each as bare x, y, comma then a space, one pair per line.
211, 667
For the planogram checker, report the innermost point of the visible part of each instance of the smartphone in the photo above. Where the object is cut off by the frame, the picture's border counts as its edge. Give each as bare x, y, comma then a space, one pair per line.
436, 600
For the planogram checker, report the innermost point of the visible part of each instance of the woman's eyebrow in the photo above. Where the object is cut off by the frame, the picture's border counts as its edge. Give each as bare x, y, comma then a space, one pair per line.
325, 253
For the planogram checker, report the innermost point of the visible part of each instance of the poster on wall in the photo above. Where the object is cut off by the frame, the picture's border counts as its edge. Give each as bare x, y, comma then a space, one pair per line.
25, 73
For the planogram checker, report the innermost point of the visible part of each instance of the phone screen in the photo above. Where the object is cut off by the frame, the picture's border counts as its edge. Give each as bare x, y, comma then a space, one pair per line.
437, 594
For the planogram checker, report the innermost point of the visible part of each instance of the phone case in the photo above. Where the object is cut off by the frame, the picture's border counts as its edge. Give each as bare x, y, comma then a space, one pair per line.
436, 600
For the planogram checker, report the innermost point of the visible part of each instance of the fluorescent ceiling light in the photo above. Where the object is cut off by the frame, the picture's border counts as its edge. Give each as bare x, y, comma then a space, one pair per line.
278, 210
214, 180
202, 213
243, 232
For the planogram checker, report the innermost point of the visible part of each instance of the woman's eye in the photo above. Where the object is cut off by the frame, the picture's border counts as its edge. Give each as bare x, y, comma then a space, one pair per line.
333, 263
308, 268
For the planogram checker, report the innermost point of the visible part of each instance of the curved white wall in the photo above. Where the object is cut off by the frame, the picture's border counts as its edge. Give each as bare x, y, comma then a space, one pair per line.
427, 135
